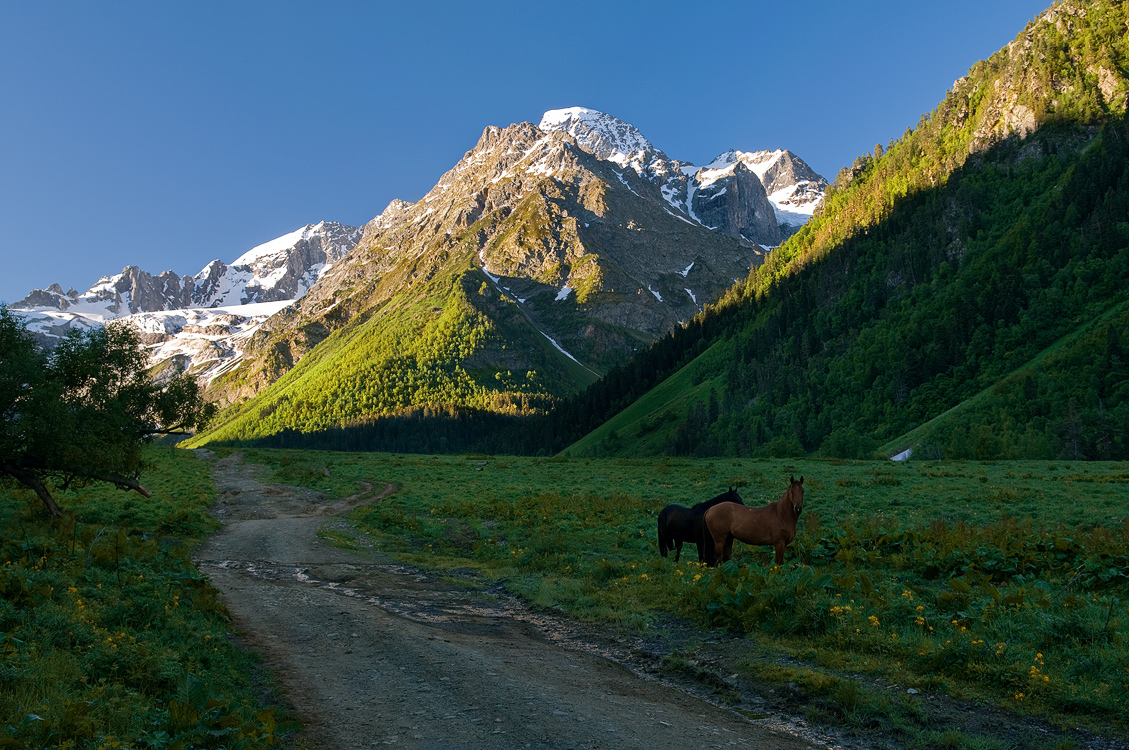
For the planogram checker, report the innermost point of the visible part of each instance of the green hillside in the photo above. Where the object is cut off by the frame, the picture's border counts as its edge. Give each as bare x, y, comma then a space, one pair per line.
648, 425
1009, 418
438, 344
939, 265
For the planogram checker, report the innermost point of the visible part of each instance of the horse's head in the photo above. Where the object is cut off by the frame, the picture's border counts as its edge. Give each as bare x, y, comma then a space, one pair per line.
795, 494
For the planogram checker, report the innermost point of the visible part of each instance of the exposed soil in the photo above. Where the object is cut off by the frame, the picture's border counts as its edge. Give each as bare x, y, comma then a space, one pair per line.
371, 652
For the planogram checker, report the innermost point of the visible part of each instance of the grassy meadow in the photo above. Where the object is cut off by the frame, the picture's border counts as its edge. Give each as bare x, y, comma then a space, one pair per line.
1003, 583
109, 635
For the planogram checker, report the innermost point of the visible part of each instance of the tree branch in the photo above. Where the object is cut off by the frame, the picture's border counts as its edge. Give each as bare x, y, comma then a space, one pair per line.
122, 483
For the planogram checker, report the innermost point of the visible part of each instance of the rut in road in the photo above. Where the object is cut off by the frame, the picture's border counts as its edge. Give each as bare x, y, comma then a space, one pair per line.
373, 653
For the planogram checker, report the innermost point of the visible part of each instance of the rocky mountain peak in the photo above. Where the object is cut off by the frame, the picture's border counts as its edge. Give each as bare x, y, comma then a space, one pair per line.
392, 215
793, 187
604, 136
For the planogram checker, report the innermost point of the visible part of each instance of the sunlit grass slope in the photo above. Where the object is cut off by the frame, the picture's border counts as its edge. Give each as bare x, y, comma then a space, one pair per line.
422, 348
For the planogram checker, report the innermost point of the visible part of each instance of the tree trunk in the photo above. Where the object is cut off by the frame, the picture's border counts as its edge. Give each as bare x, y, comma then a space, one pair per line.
30, 480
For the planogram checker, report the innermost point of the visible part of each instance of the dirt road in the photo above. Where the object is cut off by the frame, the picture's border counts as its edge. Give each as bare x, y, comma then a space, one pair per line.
373, 653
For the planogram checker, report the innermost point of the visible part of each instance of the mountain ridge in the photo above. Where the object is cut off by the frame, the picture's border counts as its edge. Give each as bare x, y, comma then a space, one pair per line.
200, 322
580, 253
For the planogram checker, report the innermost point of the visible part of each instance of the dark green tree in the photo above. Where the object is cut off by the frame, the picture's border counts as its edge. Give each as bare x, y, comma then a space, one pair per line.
81, 413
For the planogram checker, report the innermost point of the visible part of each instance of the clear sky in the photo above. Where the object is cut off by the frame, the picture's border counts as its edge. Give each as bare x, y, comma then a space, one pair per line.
164, 135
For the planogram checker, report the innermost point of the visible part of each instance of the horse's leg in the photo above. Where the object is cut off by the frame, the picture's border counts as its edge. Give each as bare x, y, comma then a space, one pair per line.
714, 547
677, 549
706, 545
780, 553
728, 555
662, 540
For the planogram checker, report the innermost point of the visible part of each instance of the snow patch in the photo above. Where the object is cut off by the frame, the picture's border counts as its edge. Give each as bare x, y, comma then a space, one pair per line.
274, 247
562, 350
563, 294
621, 179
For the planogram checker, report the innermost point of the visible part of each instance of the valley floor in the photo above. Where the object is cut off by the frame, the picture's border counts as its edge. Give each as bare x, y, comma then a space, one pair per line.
375, 653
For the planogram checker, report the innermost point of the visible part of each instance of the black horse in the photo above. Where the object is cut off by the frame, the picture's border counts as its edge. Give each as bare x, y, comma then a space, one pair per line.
678, 524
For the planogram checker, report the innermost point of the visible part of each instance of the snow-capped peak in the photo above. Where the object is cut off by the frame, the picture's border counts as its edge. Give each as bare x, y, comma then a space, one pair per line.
794, 189
757, 161
276, 246
607, 137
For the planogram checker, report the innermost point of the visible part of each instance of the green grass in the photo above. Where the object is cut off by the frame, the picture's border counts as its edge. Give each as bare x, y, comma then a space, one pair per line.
109, 635
1001, 583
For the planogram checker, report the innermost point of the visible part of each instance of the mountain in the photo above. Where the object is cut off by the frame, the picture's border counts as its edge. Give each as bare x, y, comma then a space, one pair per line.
196, 322
547, 255
793, 188
961, 293
721, 194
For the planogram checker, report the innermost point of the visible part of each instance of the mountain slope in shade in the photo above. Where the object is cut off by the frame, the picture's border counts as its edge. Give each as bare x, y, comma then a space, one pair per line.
976, 268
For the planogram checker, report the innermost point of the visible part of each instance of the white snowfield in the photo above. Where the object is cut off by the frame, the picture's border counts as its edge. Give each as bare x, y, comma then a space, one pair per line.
209, 338
212, 339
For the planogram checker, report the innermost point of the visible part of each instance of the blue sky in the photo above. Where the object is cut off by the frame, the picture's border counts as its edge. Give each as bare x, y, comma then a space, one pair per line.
165, 135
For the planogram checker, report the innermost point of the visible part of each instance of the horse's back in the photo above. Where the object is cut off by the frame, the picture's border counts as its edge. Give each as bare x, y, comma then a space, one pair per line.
671, 511
761, 525
720, 516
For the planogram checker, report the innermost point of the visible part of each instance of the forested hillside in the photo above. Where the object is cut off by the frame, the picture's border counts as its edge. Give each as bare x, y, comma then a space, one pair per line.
941, 264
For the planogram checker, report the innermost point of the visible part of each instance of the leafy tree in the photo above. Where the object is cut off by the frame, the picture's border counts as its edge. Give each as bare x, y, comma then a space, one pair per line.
81, 413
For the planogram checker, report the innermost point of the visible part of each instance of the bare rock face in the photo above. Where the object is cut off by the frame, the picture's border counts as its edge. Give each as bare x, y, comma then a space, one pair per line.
793, 188
733, 200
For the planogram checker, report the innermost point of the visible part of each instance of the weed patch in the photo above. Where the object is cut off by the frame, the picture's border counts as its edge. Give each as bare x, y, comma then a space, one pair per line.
109, 636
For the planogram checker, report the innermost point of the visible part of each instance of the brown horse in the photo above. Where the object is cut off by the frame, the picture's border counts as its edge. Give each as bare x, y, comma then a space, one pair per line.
773, 525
